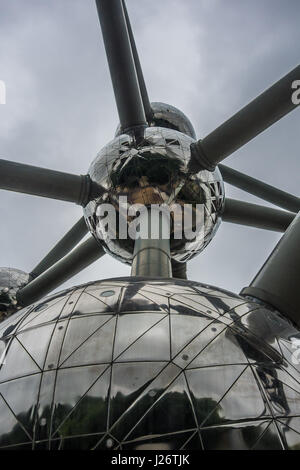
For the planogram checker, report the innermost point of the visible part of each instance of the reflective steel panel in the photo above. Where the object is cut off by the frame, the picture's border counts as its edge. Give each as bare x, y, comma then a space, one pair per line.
149, 364
155, 171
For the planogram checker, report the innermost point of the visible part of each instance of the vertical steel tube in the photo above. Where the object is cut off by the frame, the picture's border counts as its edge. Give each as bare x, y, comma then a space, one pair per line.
278, 281
179, 270
151, 256
121, 65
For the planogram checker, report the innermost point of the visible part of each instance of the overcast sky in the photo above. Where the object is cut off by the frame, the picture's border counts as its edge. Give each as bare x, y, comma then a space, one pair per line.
207, 57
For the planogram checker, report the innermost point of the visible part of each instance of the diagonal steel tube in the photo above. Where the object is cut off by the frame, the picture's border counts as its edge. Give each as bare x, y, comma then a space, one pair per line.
277, 282
62, 248
42, 182
121, 64
261, 113
81, 257
254, 215
138, 67
258, 188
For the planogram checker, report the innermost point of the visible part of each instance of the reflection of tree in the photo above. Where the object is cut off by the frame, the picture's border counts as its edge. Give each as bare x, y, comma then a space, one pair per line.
207, 408
157, 168
171, 413
89, 416
17, 435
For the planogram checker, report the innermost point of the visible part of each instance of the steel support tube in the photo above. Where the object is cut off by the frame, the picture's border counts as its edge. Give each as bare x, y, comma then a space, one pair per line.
138, 68
62, 248
121, 64
278, 281
262, 190
42, 182
261, 113
254, 215
179, 270
81, 257
151, 257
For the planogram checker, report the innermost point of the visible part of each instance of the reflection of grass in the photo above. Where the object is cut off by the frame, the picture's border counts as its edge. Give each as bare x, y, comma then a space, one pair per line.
16, 436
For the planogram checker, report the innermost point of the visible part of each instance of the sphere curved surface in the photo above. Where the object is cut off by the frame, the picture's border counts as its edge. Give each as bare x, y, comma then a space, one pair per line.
136, 363
156, 171
171, 117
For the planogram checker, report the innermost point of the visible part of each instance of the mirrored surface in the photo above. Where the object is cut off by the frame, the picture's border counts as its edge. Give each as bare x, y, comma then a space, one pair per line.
150, 364
155, 171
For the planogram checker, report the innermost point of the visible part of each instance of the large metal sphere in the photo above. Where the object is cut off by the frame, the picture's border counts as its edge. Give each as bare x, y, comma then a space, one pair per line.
155, 172
138, 364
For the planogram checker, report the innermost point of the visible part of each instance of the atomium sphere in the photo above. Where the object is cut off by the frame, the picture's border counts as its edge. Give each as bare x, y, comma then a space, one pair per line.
149, 364
11, 280
155, 171
170, 117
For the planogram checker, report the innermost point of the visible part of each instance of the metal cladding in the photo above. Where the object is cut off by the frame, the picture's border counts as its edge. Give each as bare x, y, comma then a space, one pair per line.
165, 115
154, 172
137, 364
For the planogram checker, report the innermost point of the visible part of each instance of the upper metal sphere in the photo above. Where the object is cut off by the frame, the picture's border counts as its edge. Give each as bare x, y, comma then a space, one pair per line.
167, 116
155, 171
140, 364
